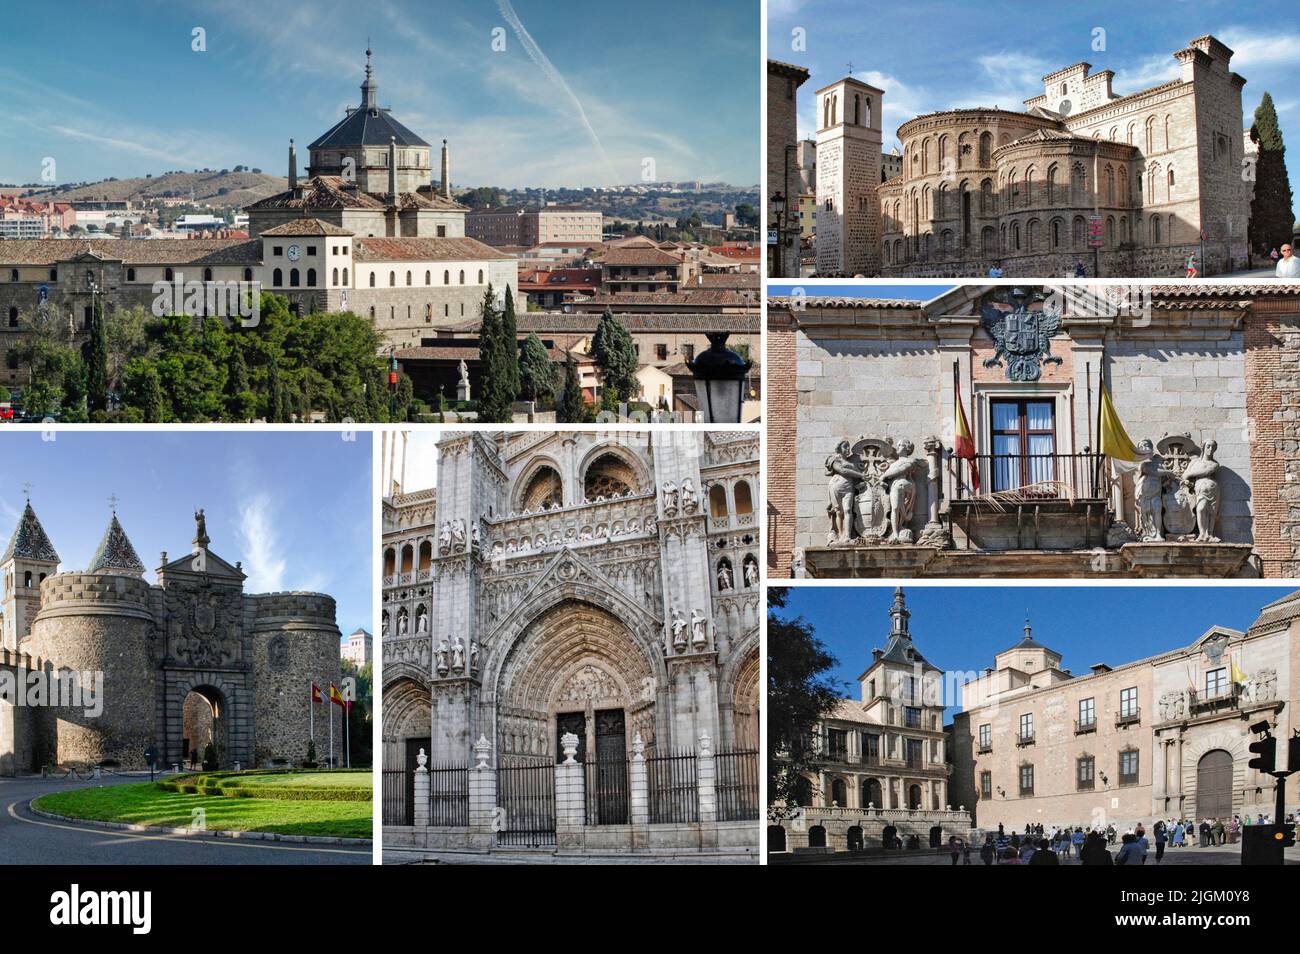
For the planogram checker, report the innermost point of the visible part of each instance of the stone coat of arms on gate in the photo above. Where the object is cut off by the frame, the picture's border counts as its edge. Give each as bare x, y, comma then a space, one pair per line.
1020, 336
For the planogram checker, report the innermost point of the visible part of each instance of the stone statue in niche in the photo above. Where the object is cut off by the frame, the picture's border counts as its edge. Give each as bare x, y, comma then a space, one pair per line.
1202, 478
473, 656
690, 501
457, 655
458, 535
421, 622
751, 572
444, 537
724, 577
670, 498
699, 631
441, 657
679, 632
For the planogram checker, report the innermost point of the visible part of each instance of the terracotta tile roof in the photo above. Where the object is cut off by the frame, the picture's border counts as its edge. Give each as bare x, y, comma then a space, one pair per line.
424, 250
308, 226
559, 279
133, 251
698, 296
544, 322
627, 255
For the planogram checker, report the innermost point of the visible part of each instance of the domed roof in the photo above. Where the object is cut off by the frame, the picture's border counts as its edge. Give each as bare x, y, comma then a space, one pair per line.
368, 125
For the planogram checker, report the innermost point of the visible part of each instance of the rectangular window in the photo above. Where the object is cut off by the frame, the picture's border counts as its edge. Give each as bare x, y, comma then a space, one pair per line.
1024, 443
1086, 773
688, 352
870, 747
1128, 704
986, 784
1216, 683
1128, 767
1027, 727
1087, 713
837, 745
913, 752
986, 738
661, 352
912, 717
1026, 780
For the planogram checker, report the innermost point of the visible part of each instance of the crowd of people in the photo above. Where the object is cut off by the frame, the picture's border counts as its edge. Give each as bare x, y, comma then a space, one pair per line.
1038, 845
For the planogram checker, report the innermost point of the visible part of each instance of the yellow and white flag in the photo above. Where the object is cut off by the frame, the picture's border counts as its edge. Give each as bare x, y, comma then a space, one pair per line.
1115, 442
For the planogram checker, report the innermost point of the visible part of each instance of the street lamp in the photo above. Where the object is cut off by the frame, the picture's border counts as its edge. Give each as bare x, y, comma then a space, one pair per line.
720, 380
778, 208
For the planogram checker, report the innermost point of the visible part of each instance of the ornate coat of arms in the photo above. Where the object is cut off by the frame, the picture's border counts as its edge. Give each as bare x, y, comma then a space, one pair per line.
1021, 336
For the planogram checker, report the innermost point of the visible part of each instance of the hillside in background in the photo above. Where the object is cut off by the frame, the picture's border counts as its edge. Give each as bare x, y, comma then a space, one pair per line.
216, 187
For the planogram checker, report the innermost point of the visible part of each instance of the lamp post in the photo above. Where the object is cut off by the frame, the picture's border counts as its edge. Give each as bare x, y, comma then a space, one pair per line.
720, 380
778, 208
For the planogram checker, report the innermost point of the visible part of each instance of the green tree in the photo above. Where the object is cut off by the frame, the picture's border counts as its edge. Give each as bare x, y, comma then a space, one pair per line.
537, 372
400, 401
97, 361
615, 357
241, 403
494, 399
275, 394
510, 346
142, 390
573, 410
1271, 217
799, 692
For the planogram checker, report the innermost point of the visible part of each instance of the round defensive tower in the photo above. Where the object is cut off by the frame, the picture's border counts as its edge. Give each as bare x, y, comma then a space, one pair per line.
98, 626
295, 642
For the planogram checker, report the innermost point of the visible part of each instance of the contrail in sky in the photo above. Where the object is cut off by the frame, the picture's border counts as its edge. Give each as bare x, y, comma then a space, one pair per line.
538, 57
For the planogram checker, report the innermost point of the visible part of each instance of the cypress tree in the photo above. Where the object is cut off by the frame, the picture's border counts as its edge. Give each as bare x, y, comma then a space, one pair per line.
574, 409
494, 399
1271, 218
97, 377
274, 394
615, 356
510, 346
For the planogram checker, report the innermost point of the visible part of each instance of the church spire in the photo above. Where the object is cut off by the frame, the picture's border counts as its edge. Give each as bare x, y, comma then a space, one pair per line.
29, 541
899, 613
369, 88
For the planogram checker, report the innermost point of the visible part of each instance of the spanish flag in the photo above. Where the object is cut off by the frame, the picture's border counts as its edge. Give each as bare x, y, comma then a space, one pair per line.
964, 444
336, 697
315, 693
1115, 442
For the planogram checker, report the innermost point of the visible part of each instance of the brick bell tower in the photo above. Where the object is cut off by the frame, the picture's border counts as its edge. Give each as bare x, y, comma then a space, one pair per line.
848, 178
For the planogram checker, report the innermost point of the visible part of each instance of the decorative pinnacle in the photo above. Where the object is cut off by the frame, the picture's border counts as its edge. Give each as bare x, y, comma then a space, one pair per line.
112, 502
27, 490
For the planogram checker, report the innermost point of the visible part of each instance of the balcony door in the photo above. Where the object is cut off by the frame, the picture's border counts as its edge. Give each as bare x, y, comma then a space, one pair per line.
1024, 442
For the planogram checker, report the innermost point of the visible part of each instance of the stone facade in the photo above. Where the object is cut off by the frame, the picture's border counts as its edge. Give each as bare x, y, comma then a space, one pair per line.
783, 82
1191, 368
600, 584
848, 178
1144, 174
168, 651
1137, 742
882, 759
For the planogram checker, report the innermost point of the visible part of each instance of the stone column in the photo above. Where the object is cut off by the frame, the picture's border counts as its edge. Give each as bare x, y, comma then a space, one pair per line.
638, 782
570, 796
482, 788
706, 776
421, 791
1160, 775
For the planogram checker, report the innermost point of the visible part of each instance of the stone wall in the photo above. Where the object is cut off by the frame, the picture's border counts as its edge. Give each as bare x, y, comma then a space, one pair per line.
1272, 378
295, 641
782, 444
100, 624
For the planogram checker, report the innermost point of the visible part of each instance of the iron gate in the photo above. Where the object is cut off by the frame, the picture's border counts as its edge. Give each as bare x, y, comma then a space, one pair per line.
398, 809
526, 796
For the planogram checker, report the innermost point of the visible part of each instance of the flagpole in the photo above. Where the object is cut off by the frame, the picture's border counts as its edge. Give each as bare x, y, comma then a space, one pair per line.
311, 711
331, 765
956, 400
1101, 400
347, 734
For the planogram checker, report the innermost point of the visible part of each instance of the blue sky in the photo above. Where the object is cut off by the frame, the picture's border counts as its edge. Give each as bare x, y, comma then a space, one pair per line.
108, 92
304, 526
928, 55
961, 629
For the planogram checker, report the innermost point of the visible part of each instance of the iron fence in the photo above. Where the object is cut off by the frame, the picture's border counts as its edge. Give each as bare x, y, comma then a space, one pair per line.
1032, 476
398, 808
737, 785
674, 792
526, 796
448, 795
607, 785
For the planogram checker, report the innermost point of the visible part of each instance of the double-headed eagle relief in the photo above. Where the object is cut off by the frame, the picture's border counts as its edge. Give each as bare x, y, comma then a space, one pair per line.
1020, 336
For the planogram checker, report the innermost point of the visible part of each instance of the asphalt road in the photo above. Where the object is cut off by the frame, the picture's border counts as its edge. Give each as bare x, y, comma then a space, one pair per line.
29, 839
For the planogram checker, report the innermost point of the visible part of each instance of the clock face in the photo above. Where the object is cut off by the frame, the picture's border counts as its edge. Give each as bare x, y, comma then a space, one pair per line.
294, 252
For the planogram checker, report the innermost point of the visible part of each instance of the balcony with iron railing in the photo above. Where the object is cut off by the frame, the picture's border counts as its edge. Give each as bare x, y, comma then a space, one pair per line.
1203, 702
1029, 501
1025, 738
1084, 726
1130, 717
983, 748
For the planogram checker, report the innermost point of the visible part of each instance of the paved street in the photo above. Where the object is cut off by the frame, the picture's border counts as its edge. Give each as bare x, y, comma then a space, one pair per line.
1225, 855
29, 839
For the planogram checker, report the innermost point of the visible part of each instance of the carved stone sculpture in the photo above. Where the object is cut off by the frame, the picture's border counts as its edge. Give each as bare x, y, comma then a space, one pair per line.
457, 655
690, 501
724, 577
1152, 478
1202, 478
842, 489
699, 631
751, 573
679, 632
441, 656
1173, 706
473, 656
670, 498
458, 535
444, 537
898, 482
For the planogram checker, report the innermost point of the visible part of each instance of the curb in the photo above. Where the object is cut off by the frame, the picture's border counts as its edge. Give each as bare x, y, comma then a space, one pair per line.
215, 834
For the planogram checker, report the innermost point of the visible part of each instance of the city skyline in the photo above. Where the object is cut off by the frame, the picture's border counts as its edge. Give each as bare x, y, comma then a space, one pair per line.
523, 98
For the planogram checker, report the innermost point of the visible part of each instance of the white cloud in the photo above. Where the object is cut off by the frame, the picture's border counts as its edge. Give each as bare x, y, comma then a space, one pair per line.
265, 563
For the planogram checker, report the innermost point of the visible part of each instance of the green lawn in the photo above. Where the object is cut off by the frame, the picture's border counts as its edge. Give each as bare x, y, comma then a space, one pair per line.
335, 779
148, 804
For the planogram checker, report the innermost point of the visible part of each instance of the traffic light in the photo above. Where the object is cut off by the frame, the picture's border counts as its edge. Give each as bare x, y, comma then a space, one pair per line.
1287, 834
1265, 750
1293, 761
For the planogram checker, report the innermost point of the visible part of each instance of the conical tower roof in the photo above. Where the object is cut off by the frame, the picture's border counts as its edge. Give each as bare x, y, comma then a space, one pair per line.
29, 541
115, 553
